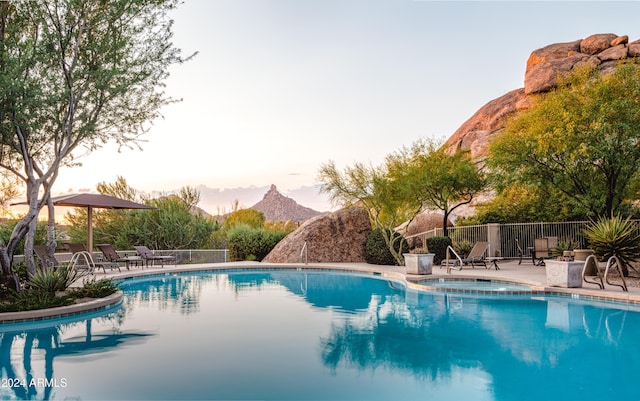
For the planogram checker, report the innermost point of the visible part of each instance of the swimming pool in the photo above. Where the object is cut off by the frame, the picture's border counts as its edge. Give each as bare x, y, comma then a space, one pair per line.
287, 334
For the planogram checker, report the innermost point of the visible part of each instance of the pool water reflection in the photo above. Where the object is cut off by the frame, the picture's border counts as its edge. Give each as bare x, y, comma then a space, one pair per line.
324, 336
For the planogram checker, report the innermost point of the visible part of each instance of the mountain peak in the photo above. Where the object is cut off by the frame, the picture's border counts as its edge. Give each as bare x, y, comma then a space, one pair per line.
277, 207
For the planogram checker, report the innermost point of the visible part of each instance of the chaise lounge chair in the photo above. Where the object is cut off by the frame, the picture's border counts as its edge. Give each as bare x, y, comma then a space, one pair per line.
111, 255
147, 256
477, 255
80, 259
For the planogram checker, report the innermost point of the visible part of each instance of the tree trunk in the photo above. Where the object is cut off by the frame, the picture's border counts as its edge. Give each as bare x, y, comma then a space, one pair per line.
29, 260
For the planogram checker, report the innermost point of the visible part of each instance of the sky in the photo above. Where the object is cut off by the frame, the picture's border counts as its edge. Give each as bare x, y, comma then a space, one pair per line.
279, 87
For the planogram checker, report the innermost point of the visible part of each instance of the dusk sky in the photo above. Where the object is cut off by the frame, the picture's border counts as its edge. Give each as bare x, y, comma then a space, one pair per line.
280, 87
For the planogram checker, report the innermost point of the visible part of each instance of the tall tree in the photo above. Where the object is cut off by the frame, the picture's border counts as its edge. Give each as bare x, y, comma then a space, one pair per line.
435, 179
75, 73
388, 202
581, 139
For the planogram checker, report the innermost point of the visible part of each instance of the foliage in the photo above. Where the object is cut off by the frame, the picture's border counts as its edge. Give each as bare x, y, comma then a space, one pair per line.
250, 217
32, 299
376, 250
438, 245
52, 280
434, 178
40, 237
387, 201
251, 243
521, 203
580, 140
614, 236
564, 244
172, 224
96, 288
463, 248
75, 74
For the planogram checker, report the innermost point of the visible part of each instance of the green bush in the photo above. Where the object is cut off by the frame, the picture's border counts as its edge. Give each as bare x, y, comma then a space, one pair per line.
96, 288
250, 243
31, 299
615, 236
52, 280
438, 245
377, 252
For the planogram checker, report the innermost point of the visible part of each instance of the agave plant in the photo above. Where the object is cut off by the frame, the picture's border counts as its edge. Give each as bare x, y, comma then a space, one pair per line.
615, 236
52, 280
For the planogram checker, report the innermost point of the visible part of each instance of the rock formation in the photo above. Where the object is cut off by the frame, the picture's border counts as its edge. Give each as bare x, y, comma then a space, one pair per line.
334, 237
544, 66
277, 207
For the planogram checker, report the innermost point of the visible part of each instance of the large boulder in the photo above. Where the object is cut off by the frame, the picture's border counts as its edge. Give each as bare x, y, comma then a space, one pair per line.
547, 64
334, 237
475, 134
544, 67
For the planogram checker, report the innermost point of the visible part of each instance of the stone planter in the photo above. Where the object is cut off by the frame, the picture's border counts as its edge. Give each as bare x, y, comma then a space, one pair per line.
419, 263
581, 254
564, 274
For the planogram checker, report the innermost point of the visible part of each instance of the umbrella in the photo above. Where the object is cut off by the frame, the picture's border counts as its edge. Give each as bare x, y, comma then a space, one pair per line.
91, 201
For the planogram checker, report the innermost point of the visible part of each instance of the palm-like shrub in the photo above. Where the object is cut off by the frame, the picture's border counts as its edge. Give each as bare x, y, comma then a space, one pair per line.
615, 236
52, 280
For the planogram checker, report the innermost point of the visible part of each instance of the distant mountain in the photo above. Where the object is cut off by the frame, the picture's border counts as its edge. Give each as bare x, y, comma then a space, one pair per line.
217, 201
277, 207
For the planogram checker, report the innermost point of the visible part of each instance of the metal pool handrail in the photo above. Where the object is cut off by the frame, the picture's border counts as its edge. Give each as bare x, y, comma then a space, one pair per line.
454, 262
304, 254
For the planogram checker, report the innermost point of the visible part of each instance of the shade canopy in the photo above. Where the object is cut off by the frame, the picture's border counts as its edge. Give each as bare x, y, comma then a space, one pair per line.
96, 200
91, 201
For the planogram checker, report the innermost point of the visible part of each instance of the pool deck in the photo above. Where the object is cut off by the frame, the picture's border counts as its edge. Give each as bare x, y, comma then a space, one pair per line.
510, 271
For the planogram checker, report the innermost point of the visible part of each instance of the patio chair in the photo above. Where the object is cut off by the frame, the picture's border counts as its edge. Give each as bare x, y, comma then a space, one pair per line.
540, 250
521, 253
477, 255
147, 256
111, 255
80, 260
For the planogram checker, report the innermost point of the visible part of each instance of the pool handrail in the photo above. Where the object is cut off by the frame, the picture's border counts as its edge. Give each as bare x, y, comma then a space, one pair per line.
455, 262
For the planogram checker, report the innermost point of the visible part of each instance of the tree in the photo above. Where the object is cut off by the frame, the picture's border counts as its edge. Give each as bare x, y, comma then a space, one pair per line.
172, 224
434, 178
75, 73
580, 139
388, 202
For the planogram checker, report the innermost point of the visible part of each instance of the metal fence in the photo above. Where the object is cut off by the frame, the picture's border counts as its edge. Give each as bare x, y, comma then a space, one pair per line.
501, 237
183, 256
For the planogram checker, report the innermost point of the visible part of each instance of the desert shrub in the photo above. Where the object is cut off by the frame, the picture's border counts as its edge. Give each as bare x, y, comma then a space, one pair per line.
438, 245
32, 298
377, 252
615, 236
96, 288
251, 243
463, 247
52, 280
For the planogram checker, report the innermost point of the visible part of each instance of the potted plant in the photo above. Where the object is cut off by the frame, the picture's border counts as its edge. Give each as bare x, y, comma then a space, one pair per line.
419, 261
615, 236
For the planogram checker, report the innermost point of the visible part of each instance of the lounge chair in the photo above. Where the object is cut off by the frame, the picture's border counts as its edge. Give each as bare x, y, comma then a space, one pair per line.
477, 255
80, 260
148, 256
540, 250
111, 255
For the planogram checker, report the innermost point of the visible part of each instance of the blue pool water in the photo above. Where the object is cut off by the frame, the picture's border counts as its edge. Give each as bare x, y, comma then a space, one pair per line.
295, 335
